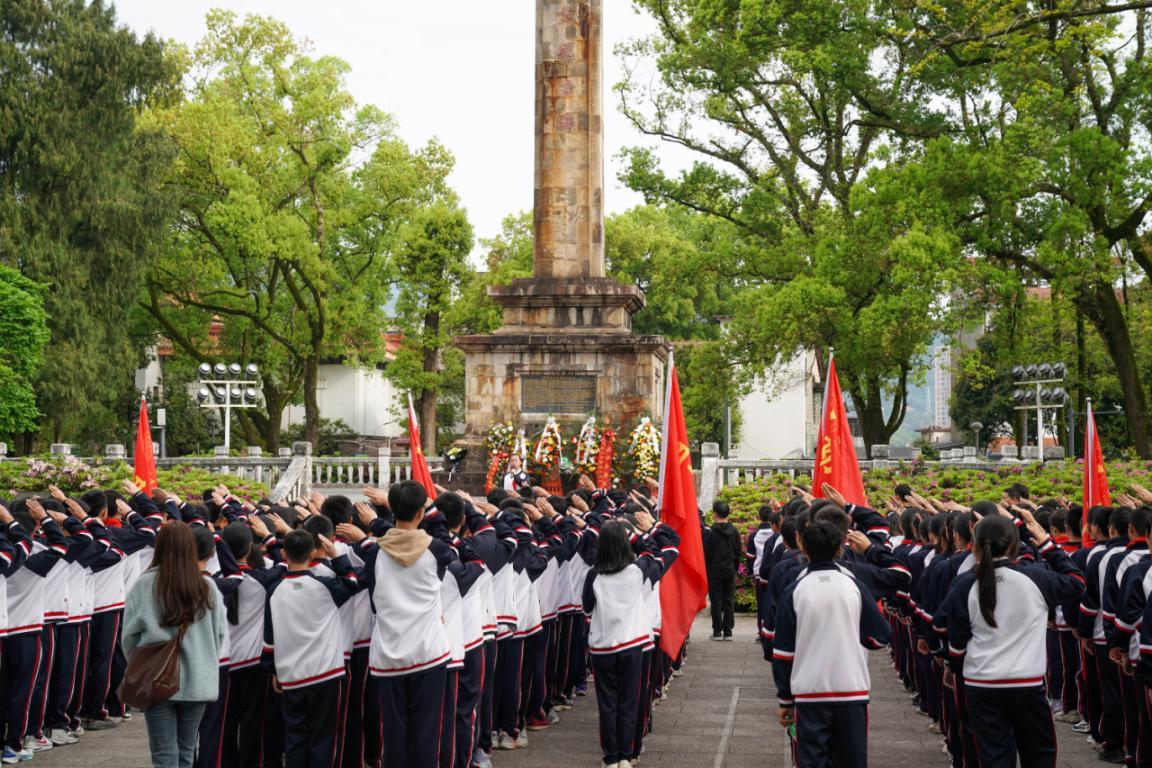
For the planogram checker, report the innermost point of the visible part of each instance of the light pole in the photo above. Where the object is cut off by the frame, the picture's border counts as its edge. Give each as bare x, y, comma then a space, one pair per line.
229, 386
1039, 378
976, 427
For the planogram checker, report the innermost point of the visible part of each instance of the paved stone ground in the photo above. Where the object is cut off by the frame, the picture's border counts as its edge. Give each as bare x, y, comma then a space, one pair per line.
721, 713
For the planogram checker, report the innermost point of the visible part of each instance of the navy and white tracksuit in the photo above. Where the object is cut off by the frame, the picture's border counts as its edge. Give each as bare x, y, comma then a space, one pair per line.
307, 657
825, 621
619, 630
1003, 667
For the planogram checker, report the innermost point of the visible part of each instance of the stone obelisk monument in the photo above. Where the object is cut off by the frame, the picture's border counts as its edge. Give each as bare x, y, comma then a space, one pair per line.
566, 348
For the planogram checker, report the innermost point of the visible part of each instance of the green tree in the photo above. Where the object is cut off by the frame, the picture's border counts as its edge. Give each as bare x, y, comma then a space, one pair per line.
431, 261
677, 256
290, 200
829, 252
23, 336
507, 256
1048, 171
81, 207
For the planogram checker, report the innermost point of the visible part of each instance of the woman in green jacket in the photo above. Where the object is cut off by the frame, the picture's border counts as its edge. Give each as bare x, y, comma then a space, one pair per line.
174, 592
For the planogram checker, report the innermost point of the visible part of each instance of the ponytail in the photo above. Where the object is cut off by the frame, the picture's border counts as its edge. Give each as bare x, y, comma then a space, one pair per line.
986, 583
995, 537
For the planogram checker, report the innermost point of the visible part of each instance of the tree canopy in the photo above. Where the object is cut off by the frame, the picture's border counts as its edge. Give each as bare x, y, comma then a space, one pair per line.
291, 201
81, 208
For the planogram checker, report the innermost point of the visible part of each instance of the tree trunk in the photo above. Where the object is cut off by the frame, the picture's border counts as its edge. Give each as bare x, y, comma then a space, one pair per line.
876, 428
1100, 305
428, 425
274, 407
311, 401
1081, 368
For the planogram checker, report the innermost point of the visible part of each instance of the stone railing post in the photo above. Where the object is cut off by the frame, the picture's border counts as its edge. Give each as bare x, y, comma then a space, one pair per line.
3, 451
257, 472
61, 449
303, 449
709, 474
115, 451
384, 467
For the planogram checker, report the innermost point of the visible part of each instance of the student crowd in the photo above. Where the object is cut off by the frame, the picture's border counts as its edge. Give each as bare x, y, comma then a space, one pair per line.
1003, 619
406, 631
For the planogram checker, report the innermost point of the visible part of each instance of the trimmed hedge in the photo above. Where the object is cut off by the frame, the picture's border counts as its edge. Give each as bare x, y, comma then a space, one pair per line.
1049, 480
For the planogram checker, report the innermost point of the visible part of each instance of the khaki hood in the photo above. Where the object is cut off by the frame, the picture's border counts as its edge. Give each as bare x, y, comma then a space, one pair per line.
404, 546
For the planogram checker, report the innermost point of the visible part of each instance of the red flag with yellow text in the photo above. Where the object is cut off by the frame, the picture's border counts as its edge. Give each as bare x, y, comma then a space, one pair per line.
143, 459
1096, 493
836, 462
420, 472
685, 586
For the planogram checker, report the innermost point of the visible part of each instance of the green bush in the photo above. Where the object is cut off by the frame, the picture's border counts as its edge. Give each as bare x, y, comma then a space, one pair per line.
76, 476
1044, 481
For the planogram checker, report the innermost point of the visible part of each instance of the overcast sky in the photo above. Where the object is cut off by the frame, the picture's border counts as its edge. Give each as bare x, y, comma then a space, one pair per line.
458, 70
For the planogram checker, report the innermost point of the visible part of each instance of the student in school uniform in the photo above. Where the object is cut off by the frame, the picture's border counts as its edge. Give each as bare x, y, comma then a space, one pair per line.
1067, 535
495, 544
23, 648
356, 618
456, 513
57, 641
825, 620
404, 570
245, 600
88, 548
997, 619
1124, 644
455, 589
304, 654
519, 607
778, 576
618, 631
1091, 629
1090, 704
761, 542
106, 660
1116, 641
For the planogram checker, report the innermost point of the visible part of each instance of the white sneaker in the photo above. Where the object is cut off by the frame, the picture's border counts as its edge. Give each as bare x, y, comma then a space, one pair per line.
78, 731
505, 741
522, 739
61, 737
33, 744
625, 764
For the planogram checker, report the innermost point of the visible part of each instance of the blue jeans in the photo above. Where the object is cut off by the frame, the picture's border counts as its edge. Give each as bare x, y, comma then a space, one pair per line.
172, 728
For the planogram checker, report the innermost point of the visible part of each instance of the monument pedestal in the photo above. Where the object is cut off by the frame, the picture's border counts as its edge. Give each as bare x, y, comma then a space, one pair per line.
566, 349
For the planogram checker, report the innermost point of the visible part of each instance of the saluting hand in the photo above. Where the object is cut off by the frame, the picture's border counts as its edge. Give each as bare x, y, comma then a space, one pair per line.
365, 513
259, 530
351, 533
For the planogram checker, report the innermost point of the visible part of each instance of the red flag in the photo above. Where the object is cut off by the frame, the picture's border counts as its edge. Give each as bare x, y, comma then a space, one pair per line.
685, 585
1095, 477
420, 471
836, 462
144, 461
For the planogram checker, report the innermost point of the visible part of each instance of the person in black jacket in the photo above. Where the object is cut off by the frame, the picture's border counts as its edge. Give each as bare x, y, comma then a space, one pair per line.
722, 552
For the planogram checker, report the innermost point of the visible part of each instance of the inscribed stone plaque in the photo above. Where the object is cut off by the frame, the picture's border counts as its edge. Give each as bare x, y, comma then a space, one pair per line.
557, 393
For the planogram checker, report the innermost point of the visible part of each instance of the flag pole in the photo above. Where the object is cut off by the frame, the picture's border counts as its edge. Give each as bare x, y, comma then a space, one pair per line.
664, 431
1089, 452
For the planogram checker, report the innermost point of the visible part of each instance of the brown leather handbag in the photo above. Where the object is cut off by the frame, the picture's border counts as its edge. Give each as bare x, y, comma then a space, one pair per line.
153, 673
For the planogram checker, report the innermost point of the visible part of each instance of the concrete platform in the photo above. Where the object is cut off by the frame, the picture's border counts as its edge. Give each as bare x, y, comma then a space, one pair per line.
720, 714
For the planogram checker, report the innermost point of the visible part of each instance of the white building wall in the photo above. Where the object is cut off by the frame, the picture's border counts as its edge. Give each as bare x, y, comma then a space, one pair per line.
776, 415
362, 397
